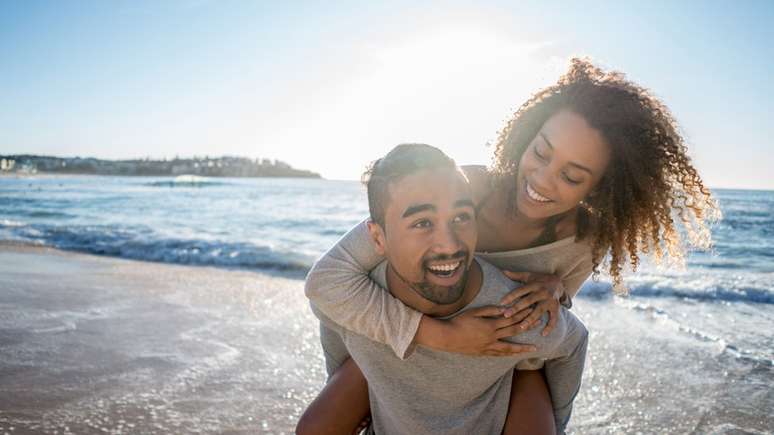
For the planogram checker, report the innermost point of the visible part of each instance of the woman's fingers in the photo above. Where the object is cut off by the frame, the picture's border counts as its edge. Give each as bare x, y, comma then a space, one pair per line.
553, 316
508, 327
532, 288
534, 317
488, 311
504, 348
518, 276
509, 331
503, 322
529, 300
520, 292
517, 293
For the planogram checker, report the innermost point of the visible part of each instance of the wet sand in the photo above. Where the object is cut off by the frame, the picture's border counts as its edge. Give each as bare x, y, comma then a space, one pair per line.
103, 345
95, 345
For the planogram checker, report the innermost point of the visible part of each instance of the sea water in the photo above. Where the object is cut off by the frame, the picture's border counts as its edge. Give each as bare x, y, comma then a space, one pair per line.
723, 298
266, 223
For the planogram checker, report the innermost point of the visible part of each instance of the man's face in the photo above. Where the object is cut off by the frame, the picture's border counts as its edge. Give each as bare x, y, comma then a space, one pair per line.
430, 233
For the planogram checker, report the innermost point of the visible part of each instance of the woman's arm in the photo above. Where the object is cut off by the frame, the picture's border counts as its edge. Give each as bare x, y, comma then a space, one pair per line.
339, 286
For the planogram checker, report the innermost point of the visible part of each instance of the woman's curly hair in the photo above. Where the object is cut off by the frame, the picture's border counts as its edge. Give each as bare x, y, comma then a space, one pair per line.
650, 183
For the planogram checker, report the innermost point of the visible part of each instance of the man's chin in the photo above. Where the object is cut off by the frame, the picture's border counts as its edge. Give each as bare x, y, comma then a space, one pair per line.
446, 294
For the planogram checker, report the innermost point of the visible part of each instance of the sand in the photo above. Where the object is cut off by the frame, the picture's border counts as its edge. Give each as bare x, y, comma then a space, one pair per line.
103, 345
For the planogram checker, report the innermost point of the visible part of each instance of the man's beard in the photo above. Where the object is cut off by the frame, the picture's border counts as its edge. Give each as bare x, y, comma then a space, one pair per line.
442, 295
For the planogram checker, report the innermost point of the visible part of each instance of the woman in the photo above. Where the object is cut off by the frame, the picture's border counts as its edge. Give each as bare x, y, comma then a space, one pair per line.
593, 166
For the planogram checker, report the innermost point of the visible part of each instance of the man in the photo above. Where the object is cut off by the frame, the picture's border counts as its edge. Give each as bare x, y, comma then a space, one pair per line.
423, 222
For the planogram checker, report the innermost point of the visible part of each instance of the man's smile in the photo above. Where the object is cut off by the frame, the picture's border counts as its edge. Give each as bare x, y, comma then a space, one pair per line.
444, 269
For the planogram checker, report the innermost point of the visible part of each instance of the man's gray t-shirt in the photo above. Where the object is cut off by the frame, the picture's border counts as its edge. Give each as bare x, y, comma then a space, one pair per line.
435, 392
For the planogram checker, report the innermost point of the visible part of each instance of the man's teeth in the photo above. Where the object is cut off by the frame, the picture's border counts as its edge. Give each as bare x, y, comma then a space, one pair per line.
536, 196
445, 267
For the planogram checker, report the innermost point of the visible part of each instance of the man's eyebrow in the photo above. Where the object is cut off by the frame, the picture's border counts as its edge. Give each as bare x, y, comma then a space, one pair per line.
464, 203
579, 166
414, 209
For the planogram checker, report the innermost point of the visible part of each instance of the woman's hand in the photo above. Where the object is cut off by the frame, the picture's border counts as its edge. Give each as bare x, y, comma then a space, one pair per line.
479, 331
539, 294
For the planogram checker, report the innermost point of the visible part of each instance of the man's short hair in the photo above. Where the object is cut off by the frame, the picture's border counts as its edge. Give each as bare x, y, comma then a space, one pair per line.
403, 160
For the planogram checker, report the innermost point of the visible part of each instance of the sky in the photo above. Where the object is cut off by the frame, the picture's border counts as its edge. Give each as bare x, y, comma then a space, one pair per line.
330, 86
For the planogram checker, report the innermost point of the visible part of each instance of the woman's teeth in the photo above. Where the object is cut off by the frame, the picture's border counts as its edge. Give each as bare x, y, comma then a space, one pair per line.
536, 196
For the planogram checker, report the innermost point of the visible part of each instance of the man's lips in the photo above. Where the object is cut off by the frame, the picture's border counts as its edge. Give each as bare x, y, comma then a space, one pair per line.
446, 268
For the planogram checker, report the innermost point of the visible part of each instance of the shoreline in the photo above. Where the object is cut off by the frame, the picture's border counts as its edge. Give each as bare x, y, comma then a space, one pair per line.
30, 247
104, 344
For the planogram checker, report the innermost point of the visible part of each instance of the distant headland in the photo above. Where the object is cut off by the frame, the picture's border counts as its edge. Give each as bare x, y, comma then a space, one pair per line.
226, 166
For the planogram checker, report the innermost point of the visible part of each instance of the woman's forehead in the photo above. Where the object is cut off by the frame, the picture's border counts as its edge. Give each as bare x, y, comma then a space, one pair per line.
570, 136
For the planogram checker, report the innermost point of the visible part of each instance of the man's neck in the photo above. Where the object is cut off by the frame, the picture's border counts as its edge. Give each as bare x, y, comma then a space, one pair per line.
401, 290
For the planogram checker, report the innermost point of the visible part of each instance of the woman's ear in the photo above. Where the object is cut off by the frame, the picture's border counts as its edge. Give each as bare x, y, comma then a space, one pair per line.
377, 237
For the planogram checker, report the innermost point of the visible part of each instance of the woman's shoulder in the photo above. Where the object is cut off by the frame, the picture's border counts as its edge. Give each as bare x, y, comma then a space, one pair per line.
567, 245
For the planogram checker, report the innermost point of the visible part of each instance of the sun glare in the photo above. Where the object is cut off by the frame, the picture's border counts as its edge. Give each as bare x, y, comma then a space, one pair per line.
450, 88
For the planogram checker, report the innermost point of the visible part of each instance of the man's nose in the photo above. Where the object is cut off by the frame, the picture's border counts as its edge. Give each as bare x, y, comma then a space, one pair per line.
446, 241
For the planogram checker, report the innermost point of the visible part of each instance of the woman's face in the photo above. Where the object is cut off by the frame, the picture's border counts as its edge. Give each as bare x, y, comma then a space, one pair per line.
560, 167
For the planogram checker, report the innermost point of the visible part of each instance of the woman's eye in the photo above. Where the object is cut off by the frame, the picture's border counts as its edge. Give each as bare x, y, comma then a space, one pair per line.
537, 153
570, 180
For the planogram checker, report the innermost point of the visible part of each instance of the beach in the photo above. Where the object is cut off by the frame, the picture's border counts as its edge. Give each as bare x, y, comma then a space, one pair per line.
143, 305
94, 344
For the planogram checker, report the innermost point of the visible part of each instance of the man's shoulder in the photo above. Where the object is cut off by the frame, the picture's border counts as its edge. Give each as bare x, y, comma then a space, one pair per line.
494, 284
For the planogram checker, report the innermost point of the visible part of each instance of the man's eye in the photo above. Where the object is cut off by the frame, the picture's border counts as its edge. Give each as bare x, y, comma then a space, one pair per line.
462, 218
424, 223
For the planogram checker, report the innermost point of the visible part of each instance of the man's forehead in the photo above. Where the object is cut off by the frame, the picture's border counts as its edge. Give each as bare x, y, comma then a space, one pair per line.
437, 188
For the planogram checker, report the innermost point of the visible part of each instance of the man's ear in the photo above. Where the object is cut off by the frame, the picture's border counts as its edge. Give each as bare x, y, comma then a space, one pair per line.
377, 237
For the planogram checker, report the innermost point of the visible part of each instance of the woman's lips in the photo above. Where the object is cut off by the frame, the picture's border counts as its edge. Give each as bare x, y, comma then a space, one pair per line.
533, 195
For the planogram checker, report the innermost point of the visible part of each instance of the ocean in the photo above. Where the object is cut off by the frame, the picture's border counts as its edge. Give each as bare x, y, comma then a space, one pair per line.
722, 300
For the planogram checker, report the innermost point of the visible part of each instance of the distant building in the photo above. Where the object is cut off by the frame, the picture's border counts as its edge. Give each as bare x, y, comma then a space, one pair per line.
7, 164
